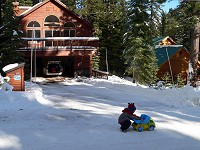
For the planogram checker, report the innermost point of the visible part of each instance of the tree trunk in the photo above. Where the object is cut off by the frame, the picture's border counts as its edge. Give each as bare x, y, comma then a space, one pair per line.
133, 77
194, 50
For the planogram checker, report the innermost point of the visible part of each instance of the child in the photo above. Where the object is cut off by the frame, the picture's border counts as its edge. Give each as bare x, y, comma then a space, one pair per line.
126, 116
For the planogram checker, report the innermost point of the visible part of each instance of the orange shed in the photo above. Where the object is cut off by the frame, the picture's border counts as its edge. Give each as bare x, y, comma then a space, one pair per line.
16, 75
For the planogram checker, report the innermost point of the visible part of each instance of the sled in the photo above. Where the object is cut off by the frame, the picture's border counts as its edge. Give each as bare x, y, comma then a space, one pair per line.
146, 124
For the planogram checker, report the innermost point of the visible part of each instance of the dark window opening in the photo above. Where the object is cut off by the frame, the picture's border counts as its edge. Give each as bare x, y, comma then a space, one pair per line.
51, 33
33, 33
33, 24
69, 25
52, 21
69, 33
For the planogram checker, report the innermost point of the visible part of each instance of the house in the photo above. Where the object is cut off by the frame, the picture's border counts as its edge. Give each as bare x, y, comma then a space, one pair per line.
56, 40
172, 59
162, 40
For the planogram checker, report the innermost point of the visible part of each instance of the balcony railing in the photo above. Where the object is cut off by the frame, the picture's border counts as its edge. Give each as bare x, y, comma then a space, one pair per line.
55, 43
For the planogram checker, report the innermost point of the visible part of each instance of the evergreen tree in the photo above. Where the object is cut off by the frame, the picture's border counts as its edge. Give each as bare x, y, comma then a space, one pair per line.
95, 61
11, 37
155, 12
71, 4
26, 2
183, 26
107, 19
36, 1
2, 2
162, 26
139, 52
111, 25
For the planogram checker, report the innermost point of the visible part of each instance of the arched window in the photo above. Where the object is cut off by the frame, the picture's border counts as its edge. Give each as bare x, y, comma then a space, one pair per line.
33, 29
69, 29
69, 25
33, 24
51, 24
52, 21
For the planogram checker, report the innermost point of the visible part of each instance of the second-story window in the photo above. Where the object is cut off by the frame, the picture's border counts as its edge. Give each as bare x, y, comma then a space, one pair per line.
69, 29
52, 29
52, 25
33, 29
51, 21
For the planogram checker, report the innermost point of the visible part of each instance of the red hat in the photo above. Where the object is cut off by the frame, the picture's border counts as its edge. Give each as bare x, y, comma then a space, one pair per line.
131, 106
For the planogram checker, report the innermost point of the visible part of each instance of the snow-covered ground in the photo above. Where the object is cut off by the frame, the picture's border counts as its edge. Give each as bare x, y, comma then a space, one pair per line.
82, 114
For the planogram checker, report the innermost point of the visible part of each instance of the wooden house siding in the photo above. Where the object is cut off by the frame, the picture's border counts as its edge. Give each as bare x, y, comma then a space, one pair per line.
172, 59
50, 8
74, 51
179, 65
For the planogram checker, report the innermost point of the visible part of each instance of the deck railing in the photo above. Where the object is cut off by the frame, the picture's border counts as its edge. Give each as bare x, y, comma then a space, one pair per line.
100, 74
55, 43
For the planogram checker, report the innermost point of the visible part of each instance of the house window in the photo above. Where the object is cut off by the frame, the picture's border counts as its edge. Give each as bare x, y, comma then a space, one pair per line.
69, 25
69, 29
51, 21
51, 33
53, 24
33, 29
33, 24
33, 33
69, 33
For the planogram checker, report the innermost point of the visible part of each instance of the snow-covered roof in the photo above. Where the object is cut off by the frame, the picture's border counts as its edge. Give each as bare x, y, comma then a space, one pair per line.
161, 46
11, 67
40, 3
29, 9
25, 7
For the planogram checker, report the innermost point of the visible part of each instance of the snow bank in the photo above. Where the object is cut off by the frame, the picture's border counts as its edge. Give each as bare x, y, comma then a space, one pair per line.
4, 84
186, 96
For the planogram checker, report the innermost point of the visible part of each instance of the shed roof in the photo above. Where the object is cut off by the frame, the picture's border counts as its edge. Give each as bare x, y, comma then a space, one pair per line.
163, 51
12, 67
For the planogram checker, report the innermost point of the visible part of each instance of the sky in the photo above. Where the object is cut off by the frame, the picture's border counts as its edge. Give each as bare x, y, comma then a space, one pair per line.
171, 4
82, 113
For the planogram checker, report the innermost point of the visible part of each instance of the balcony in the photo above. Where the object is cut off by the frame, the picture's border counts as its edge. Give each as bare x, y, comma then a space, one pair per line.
60, 43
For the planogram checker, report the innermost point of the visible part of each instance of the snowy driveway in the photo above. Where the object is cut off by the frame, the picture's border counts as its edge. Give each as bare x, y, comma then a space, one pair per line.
83, 115
98, 105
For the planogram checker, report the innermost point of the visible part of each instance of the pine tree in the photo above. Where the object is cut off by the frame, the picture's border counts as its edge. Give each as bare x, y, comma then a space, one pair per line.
183, 25
180, 81
11, 37
26, 2
95, 61
155, 10
162, 26
139, 52
107, 19
71, 4
167, 79
2, 2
